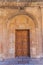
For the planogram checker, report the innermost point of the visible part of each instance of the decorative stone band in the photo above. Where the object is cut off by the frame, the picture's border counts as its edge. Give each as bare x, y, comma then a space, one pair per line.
19, 4
13, 4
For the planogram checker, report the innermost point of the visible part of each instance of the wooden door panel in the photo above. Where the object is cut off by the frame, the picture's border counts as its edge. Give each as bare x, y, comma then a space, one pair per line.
25, 42
22, 43
19, 52
18, 44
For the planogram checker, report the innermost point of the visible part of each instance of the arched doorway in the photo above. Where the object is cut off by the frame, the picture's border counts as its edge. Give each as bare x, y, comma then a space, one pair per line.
24, 26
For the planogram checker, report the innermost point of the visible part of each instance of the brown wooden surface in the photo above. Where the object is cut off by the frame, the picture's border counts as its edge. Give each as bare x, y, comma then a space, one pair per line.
22, 43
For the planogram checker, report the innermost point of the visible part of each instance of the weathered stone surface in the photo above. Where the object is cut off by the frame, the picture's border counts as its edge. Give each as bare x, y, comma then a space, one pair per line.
29, 18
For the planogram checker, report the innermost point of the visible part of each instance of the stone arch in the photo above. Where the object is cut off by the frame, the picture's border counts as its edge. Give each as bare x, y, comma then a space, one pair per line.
11, 32
24, 13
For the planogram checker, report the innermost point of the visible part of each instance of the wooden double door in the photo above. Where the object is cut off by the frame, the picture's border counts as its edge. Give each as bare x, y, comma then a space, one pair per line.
22, 45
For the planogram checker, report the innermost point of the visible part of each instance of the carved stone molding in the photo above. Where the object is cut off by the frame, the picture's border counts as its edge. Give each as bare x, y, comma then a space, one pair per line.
22, 12
19, 4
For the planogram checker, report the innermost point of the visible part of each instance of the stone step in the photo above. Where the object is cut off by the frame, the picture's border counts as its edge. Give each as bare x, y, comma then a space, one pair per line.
22, 61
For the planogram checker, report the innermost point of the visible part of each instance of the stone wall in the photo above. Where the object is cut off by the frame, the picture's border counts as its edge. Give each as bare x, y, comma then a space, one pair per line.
30, 17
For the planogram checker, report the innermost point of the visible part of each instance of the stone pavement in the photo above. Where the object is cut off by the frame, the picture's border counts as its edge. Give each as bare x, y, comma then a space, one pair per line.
22, 61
